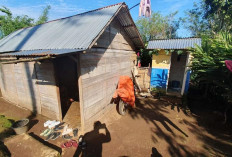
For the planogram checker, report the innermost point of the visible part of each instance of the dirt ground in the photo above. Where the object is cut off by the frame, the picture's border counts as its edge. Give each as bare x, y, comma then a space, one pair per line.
154, 128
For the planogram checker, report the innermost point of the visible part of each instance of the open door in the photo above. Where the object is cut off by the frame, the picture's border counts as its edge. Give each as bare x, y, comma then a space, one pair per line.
177, 72
67, 77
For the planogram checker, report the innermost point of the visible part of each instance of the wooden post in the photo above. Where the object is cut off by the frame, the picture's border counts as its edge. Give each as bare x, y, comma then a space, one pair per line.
185, 74
57, 92
80, 92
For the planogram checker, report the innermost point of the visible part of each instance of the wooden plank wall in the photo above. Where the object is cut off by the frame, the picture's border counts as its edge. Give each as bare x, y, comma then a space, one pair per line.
8, 89
25, 82
31, 86
49, 96
101, 67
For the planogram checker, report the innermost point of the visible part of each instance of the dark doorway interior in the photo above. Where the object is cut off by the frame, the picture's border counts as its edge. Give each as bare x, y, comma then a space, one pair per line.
66, 73
177, 71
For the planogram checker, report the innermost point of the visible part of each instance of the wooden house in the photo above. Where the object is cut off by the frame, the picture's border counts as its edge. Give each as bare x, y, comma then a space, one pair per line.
79, 58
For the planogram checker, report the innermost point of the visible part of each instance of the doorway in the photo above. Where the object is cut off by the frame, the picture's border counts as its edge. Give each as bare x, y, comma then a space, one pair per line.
67, 80
177, 71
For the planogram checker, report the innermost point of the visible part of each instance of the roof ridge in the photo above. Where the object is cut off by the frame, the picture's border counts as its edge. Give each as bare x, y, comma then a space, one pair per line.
75, 15
87, 12
177, 38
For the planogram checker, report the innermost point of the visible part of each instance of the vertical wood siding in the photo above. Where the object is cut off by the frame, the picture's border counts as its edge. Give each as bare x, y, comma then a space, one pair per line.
101, 67
31, 86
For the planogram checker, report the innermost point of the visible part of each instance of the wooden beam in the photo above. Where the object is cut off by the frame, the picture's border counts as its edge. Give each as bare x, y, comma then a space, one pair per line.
185, 74
7, 58
80, 92
57, 90
134, 38
128, 26
27, 60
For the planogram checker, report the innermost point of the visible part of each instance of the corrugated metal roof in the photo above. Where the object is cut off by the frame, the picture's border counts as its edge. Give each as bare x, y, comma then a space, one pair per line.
75, 32
174, 43
40, 52
130, 28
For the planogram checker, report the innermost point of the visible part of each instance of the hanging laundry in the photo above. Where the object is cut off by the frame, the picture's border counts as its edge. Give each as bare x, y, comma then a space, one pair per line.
148, 8
141, 6
145, 8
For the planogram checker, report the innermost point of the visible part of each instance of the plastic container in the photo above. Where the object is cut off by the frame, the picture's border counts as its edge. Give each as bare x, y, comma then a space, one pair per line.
20, 126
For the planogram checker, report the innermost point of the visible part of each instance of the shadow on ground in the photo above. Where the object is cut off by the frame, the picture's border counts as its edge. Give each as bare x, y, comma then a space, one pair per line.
4, 152
216, 140
94, 139
46, 143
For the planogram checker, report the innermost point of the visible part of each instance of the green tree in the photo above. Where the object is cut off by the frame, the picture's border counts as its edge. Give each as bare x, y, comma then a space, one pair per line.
209, 17
219, 12
158, 26
44, 17
195, 22
9, 23
209, 72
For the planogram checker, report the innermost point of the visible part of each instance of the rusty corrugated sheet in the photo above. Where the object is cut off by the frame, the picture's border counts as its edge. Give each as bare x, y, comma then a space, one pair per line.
184, 43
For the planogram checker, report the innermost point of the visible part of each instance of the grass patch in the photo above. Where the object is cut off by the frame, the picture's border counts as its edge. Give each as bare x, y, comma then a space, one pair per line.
4, 122
5, 127
4, 152
5, 131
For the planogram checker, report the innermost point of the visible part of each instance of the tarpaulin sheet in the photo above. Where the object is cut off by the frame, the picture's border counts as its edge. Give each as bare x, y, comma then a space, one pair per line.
125, 90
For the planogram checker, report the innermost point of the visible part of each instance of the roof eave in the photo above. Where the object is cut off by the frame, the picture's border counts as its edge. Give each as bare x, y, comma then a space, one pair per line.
139, 35
104, 28
108, 23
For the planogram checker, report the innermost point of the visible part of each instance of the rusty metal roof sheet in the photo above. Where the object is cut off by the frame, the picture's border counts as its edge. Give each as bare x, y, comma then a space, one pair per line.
183, 43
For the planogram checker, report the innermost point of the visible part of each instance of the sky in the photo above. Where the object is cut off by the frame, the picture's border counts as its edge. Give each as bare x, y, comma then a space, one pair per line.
64, 8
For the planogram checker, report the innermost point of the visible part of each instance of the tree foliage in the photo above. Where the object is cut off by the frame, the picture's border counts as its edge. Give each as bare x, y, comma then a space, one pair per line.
219, 13
208, 60
211, 20
209, 17
44, 17
10, 23
195, 21
158, 26
209, 71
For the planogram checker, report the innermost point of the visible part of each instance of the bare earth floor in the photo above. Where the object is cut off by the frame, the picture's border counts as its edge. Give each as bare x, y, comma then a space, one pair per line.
155, 127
